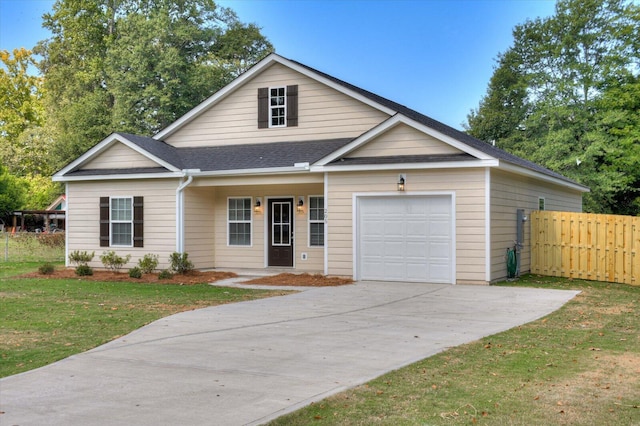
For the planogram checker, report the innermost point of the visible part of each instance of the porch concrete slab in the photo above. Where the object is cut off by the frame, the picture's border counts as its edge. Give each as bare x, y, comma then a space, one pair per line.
247, 363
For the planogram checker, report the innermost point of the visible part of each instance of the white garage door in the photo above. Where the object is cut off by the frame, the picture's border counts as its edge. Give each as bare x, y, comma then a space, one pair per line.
406, 238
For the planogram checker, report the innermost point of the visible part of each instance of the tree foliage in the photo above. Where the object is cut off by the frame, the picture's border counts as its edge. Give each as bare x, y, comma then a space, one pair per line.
136, 65
565, 95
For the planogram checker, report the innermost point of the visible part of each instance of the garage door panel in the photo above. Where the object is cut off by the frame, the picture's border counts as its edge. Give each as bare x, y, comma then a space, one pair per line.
405, 238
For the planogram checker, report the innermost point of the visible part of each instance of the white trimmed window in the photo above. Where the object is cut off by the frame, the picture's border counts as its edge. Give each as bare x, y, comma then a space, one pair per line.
121, 221
277, 107
239, 221
316, 221
540, 203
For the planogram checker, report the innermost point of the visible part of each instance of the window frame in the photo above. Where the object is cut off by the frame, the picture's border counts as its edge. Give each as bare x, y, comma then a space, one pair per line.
321, 220
272, 108
243, 221
113, 221
541, 204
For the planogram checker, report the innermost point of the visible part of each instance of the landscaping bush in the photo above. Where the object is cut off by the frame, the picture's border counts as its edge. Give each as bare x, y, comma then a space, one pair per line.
114, 262
84, 270
165, 275
46, 269
148, 263
81, 257
180, 263
135, 272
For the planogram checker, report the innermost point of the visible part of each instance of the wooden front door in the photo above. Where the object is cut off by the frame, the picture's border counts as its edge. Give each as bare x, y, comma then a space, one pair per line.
281, 232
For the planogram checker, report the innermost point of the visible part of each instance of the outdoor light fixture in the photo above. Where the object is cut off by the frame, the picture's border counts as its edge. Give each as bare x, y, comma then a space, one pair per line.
256, 208
300, 205
401, 183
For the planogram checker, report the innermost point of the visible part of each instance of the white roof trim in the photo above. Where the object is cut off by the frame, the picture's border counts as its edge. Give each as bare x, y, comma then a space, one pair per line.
269, 60
118, 177
103, 146
406, 166
389, 124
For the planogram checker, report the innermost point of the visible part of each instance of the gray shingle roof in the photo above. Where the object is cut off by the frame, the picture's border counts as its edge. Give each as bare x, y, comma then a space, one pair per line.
239, 157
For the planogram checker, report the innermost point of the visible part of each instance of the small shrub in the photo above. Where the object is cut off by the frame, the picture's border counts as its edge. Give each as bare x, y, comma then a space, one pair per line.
112, 261
180, 263
135, 272
81, 257
84, 270
46, 269
165, 275
148, 263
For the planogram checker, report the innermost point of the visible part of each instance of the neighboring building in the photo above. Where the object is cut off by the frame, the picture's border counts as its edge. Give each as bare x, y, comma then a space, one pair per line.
288, 167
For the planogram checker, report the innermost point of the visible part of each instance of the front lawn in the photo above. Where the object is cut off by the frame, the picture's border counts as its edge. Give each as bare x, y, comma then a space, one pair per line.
577, 366
43, 320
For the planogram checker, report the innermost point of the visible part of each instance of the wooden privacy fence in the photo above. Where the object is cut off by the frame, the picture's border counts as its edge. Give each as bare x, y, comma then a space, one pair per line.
588, 246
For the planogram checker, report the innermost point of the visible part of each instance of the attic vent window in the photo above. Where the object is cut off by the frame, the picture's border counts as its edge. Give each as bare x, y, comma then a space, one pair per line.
278, 107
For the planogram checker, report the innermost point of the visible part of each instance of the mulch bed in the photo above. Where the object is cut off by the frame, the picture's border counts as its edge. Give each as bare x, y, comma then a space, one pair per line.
304, 280
193, 277
199, 277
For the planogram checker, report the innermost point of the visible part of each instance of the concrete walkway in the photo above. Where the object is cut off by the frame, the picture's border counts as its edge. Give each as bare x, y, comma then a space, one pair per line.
250, 362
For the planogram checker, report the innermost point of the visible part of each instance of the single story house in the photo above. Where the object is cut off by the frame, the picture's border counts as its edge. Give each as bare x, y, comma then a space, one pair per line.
290, 168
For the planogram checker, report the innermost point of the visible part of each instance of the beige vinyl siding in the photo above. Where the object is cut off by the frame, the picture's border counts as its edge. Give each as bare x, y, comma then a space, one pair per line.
254, 256
83, 217
199, 227
323, 113
119, 156
510, 192
403, 140
467, 185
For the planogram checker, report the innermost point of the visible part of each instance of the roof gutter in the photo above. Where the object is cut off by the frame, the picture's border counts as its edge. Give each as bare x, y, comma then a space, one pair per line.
188, 173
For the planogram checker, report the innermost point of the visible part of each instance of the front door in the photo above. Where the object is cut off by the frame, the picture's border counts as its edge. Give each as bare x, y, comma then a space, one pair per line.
281, 232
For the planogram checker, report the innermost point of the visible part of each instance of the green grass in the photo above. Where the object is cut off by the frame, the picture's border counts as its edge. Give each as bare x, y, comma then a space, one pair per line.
31, 247
578, 366
45, 320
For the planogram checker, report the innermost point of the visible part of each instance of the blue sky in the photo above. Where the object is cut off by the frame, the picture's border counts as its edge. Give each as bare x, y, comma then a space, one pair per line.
435, 56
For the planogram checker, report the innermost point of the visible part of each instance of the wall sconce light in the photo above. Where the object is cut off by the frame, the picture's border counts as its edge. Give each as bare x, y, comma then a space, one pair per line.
401, 183
258, 206
300, 205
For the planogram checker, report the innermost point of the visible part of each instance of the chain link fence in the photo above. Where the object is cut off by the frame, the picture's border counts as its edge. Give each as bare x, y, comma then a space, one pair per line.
32, 247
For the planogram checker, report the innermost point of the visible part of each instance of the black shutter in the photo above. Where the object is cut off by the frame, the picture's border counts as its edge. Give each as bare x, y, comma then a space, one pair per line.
292, 106
263, 108
104, 221
138, 222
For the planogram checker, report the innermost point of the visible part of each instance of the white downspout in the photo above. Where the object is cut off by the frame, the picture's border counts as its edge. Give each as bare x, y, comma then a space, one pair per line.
326, 223
180, 209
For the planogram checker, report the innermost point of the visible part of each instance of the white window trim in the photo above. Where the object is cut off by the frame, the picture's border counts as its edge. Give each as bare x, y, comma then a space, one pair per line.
112, 221
271, 108
250, 222
309, 221
544, 204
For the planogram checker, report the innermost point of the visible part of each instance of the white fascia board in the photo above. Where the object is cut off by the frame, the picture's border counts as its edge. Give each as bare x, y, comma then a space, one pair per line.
132, 176
407, 166
541, 176
251, 73
393, 122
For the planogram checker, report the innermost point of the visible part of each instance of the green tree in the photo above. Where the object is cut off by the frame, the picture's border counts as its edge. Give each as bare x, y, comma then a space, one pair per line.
21, 107
11, 193
136, 65
555, 98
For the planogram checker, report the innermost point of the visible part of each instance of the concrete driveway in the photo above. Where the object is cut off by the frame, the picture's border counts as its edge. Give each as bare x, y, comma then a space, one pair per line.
250, 362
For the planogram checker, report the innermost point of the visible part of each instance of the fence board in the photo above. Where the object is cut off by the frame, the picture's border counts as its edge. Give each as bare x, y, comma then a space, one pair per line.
587, 246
